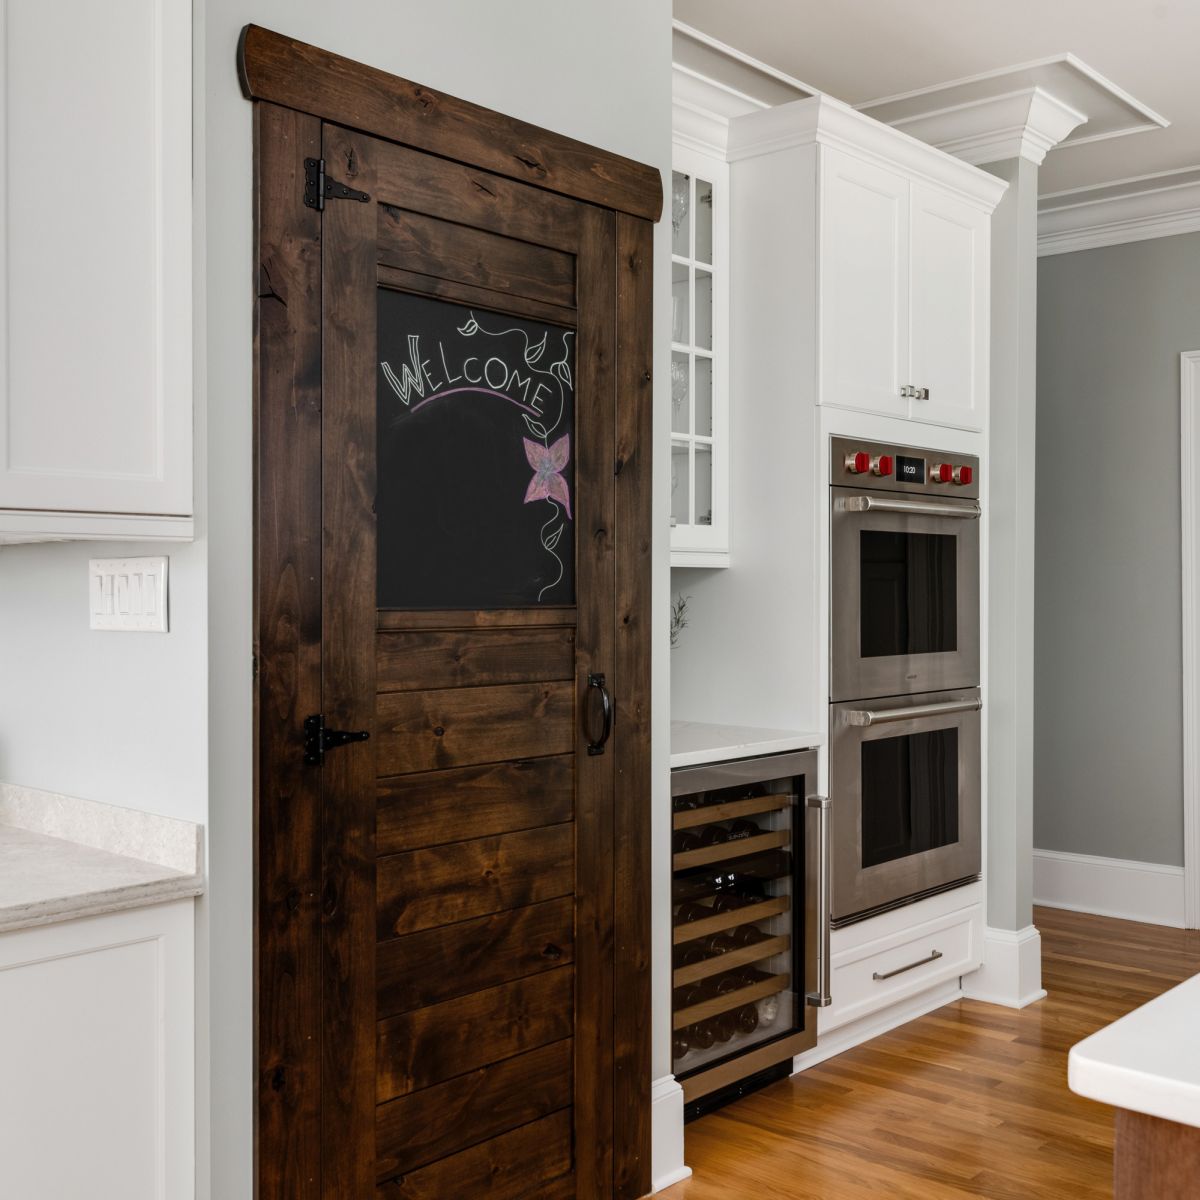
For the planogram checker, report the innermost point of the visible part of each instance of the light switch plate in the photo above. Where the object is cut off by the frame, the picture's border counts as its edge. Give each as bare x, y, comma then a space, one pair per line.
128, 594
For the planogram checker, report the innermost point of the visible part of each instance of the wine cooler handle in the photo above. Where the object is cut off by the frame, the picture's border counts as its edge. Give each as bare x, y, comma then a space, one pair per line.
597, 681
820, 805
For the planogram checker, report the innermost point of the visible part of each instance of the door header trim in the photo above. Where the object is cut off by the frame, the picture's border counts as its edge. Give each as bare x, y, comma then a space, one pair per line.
296, 75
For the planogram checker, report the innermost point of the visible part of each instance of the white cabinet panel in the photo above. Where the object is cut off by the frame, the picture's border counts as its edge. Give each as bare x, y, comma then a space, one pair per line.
864, 282
95, 259
949, 308
97, 1049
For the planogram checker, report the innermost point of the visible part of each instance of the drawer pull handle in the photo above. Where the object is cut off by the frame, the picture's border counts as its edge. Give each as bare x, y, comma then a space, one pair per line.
900, 970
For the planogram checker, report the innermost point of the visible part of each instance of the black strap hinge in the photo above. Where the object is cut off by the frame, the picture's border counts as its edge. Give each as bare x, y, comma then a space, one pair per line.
319, 187
318, 739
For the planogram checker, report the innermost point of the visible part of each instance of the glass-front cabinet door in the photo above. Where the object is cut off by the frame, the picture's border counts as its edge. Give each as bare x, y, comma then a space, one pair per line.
699, 359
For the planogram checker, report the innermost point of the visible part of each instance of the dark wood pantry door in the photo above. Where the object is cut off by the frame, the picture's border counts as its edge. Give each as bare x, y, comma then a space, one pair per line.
453, 490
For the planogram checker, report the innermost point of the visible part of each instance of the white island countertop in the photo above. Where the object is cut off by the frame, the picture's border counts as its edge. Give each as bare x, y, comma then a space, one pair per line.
62, 857
694, 743
1148, 1061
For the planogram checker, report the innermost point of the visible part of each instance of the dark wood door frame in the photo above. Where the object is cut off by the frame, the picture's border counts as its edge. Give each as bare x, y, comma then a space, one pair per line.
295, 88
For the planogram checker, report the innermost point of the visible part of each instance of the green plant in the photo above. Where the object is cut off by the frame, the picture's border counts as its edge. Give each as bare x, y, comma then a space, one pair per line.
679, 618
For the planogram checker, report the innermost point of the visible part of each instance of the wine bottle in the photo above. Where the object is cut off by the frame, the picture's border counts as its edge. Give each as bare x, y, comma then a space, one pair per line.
719, 943
714, 835
689, 954
746, 935
685, 803
679, 1045
685, 840
700, 1036
691, 911
740, 830
746, 1018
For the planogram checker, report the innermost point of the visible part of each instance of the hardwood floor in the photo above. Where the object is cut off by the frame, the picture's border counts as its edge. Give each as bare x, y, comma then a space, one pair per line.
970, 1100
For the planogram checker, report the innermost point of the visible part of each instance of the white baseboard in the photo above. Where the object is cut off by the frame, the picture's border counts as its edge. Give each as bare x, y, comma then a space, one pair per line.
1012, 968
666, 1134
1110, 887
854, 1033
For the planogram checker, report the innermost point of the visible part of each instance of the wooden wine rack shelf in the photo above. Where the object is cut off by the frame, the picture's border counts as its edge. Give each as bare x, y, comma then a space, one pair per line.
749, 913
729, 851
731, 1000
688, 818
742, 956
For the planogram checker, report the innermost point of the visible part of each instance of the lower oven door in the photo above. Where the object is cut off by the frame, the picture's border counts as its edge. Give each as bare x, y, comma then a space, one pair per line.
905, 785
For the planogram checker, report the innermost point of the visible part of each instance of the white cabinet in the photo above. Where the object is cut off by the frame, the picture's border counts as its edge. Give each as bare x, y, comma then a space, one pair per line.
867, 255
904, 295
95, 268
699, 359
97, 1057
864, 279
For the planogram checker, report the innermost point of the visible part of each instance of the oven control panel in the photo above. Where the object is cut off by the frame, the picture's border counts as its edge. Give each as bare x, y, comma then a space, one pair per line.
883, 467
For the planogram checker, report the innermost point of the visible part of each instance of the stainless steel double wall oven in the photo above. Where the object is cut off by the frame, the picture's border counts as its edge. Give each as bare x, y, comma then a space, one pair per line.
904, 674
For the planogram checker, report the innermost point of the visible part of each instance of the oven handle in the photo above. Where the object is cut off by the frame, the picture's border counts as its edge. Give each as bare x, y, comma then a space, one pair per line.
870, 716
824, 900
921, 508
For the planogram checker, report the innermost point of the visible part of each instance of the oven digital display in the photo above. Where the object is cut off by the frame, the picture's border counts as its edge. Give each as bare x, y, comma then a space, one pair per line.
910, 470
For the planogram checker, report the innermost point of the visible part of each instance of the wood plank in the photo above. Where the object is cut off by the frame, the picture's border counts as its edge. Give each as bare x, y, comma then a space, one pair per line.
287, 632
689, 818
595, 449
429, 1045
750, 1063
633, 621
530, 1163
440, 964
454, 727
718, 1004
422, 889
488, 618
690, 930
407, 660
731, 850
348, 671
447, 250
450, 1117
475, 297
732, 959
296, 75
430, 808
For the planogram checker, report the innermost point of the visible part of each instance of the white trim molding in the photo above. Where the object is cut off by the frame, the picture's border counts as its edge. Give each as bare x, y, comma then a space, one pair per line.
1109, 110
666, 1134
1128, 210
1109, 887
1189, 447
1022, 124
1011, 974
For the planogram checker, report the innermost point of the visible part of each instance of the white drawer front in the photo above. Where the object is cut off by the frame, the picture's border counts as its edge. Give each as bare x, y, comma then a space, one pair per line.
888, 969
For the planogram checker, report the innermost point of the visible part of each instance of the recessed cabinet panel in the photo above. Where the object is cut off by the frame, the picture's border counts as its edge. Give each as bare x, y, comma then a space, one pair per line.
95, 168
864, 274
949, 309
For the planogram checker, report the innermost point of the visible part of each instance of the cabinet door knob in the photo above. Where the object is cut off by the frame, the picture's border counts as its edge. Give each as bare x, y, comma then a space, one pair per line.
921, 393
907, 392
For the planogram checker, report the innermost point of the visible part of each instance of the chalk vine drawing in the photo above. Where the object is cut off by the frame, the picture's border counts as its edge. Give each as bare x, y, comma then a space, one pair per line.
542, 395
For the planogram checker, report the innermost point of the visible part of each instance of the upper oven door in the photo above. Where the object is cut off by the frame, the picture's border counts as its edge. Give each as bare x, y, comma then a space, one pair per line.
904, 600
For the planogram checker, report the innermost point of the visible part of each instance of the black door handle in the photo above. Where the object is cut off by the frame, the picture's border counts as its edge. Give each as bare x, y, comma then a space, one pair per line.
596, 746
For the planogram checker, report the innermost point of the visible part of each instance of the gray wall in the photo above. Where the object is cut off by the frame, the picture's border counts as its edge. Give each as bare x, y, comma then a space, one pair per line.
1108, 757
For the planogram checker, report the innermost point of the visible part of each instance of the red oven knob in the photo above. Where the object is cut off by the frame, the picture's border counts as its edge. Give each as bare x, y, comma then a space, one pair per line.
941, 473
882, 464
963, 475
858, 464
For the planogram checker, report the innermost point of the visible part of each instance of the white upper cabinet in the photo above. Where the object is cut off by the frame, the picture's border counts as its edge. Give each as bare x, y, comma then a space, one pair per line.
864, 301
96, 267
949, 323
699, 215
890, 238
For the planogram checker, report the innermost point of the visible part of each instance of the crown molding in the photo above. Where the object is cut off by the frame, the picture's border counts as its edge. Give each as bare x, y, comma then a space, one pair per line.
824, 120
1129, 210
1022, 124
1108, 110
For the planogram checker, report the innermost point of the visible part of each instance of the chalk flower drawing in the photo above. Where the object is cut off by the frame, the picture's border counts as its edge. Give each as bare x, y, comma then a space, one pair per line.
534, 394
547, 482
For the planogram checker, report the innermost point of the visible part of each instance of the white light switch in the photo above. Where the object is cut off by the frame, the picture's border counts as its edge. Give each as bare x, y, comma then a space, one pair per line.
129, 594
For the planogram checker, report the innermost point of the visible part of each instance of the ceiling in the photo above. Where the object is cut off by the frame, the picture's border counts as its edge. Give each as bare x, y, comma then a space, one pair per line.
860, 50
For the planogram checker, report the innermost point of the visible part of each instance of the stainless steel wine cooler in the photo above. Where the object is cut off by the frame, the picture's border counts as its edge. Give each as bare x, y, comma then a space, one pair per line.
750, 895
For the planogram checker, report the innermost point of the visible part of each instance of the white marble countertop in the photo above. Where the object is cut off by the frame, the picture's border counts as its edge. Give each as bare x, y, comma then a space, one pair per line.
1148, 1061
62, 857
694, 743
